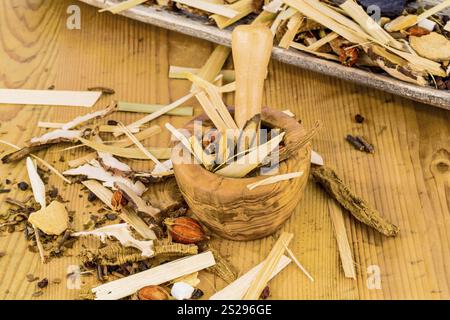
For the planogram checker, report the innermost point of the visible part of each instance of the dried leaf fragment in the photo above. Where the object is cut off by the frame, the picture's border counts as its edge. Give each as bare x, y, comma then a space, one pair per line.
52, 220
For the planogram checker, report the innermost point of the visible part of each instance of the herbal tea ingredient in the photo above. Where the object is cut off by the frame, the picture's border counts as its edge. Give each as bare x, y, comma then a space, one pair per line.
409, 42
146, 242
358, 207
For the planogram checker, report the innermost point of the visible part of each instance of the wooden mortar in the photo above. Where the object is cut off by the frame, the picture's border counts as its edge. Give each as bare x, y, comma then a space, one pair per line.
227, 207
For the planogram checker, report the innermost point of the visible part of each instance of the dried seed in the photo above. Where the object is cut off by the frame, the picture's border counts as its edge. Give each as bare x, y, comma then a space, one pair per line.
417, 31
23, 185
118, 200
153, 293
197, 294
56, 281
185, 230
112, 123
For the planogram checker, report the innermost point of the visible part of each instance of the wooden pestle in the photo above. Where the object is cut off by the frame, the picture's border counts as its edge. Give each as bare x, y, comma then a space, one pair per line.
252, 47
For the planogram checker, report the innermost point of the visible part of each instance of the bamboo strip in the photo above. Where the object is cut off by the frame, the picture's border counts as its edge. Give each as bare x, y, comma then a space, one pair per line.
49, 97
250, 161
145, 134
151, 108
166, 272
105, 195
237, 289
268, 267
158, 113
345, 251
368, 24
177, 72
139, 145
293, 25
299, 265
130, 153
321, 42
213, 66
244, 7
274, 179
38, 188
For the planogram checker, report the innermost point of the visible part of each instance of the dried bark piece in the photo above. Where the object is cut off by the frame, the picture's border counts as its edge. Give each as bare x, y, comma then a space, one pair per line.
52, 220
136, 202
46, 141
93, 170
358, 207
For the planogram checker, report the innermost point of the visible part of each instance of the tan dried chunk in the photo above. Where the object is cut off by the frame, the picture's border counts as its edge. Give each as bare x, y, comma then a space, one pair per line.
52, 220
433, 46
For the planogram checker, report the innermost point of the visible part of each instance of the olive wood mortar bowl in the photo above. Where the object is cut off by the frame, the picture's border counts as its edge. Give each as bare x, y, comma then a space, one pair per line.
227, 207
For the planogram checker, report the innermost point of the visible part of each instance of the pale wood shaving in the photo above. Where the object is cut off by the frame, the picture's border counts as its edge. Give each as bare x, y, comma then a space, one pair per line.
237, 289
274, 179
268, 267
164, 273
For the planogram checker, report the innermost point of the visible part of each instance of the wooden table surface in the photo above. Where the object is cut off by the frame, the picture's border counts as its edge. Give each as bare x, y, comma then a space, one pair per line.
407, 179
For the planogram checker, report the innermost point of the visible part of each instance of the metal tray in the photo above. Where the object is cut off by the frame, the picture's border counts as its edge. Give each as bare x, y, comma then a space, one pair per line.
199, 27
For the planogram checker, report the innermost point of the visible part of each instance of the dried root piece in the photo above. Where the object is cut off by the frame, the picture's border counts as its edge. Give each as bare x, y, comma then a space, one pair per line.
111, 255
115, 254
122, 233
166, 248
433, 46
359, 208
223, 268
52, 220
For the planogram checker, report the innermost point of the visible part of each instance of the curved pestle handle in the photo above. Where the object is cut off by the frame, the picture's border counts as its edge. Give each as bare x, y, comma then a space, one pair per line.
252, 46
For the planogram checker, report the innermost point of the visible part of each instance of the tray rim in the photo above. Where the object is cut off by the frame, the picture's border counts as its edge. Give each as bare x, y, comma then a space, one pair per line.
198, 28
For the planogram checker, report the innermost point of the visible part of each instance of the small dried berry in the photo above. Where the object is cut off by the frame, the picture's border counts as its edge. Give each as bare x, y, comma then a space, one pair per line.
92, 197
153, 293
265, 293
359, 118
23, 185
118, 200
185, 230
197, 294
